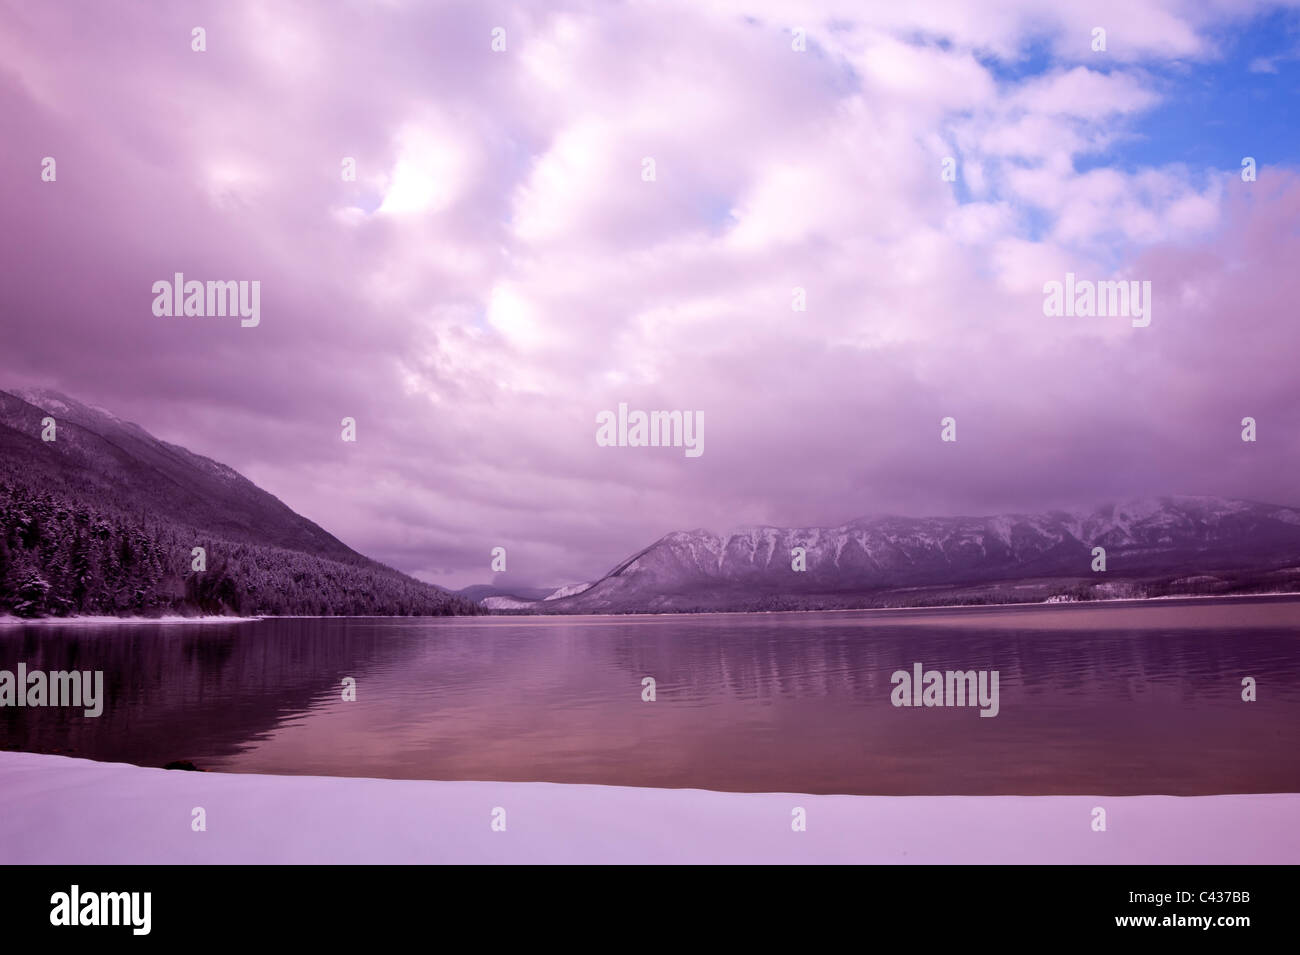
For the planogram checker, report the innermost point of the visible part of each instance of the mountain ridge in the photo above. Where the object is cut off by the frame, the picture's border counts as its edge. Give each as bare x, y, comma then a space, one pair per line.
226, 501
1154, 546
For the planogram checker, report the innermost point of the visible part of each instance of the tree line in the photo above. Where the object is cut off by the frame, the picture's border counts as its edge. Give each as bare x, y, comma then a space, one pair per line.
61, 556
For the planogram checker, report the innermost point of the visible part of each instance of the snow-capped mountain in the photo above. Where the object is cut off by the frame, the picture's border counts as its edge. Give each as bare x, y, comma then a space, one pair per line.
950, 559
569, 591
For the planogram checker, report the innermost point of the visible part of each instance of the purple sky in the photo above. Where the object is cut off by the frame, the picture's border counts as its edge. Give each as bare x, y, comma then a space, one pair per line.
499, 272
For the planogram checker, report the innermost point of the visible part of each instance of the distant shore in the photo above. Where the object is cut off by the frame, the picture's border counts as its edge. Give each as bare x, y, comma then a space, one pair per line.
9, 620
925, 608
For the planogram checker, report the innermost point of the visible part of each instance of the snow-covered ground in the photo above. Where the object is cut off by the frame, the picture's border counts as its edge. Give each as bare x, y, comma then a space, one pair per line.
73, 811
7, 620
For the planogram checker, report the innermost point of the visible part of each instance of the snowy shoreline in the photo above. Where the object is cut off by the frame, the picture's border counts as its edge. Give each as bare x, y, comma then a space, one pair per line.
9, 620
61, 810
97, 620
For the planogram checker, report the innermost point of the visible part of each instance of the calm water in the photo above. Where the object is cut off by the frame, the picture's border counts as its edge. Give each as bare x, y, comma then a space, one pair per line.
1115, 699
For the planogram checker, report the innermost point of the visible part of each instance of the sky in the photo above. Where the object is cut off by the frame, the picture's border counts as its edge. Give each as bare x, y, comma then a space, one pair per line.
501, 270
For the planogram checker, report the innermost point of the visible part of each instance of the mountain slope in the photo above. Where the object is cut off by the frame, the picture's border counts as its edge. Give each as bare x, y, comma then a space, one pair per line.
104, 519
97, 454
1166, 545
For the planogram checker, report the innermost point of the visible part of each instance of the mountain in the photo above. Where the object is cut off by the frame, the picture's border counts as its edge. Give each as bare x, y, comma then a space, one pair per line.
97, 455
480, 593
521, 597
1164, 546
104, 518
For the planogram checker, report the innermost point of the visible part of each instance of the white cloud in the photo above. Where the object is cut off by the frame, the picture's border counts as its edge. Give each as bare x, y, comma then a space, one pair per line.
431, 171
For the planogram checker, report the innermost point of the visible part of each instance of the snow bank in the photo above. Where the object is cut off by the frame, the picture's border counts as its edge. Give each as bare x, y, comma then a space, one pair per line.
90, 619
73, 811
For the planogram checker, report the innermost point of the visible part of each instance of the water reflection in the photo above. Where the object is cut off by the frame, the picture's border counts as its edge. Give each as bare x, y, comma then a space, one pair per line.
1120, 699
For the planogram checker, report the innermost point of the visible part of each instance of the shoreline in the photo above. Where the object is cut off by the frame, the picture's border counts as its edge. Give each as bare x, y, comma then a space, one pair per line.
64, 810
928, 608
9, 620
90, 619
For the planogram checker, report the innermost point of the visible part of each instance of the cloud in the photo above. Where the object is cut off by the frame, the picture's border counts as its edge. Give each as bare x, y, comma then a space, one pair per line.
500, 272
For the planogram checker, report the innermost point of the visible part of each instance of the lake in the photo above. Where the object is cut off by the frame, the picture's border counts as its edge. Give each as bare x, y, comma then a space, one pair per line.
1120, 698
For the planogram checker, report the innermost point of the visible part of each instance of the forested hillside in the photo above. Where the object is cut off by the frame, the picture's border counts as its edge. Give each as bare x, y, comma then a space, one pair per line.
104, 519
60, 557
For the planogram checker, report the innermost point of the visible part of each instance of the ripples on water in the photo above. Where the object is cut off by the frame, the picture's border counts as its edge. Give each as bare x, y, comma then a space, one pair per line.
1117, 699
